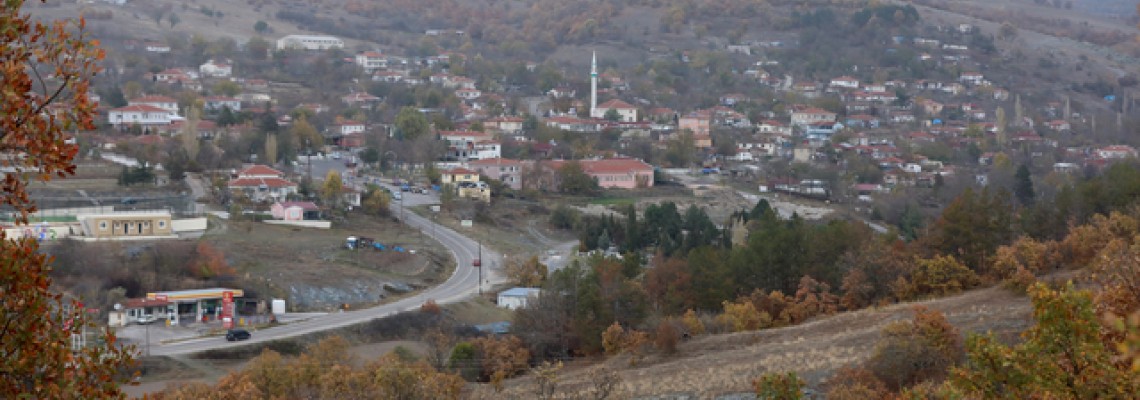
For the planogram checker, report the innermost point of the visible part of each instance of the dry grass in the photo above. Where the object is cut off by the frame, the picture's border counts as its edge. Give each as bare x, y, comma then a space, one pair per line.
712, 365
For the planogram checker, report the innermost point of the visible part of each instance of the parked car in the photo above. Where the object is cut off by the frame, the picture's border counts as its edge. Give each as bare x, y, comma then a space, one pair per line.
237, 334
146, 319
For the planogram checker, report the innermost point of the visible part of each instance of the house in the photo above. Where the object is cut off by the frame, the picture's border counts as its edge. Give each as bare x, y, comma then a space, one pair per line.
470, 145
260, 183
216, 69
774, 127
217, 103
501, 169
561, 92
811, 115
1116, 152
309, 42
626, 112
699, 123
163, 102
862, 121
730, 100
973, 78
157, 47
573, 124
619, 173
1059, 125
360, 99
516, 298
844, 82
346, 128
295, 211
387, 76
931, 107
468, 94
140, 115
505, 124
371, 61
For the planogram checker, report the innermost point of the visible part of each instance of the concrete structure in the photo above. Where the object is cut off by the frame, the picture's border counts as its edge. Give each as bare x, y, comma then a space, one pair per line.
295, 211
516, 298
138, 224
811, 115
470, 145
309, 42
457, 175
217, 69
626, 112
503, 170
140, 115
217, 103
699, 123
163, 102
594, 84
371, 61
619, 173
193, 304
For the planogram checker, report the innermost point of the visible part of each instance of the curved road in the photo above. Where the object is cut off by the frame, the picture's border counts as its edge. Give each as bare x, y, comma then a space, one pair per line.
461, 285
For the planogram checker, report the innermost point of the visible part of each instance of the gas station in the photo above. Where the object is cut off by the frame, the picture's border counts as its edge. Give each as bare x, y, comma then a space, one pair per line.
200, 304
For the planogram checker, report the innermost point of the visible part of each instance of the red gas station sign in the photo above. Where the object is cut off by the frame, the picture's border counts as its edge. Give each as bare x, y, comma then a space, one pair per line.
227, 309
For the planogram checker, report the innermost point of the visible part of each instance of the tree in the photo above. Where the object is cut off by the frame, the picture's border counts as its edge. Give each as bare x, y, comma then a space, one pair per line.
1062, 356
173, 19
973, 226
574, 180
305, 134
1023, 186
411, 124
612, 115
38, 324
261, 27
332, 189
271, 148
376, 202
529, 273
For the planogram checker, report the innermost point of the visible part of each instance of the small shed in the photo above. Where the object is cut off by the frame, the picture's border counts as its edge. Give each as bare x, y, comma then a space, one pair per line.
516, 298
295, 211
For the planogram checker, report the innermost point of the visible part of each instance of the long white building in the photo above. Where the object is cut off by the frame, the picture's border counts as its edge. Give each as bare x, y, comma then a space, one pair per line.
309, 42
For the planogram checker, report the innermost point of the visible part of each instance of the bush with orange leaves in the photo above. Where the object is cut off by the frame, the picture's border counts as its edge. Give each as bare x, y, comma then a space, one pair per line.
856, 384
917, 350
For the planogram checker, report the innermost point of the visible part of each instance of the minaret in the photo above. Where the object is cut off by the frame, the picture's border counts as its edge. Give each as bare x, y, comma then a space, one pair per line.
593, 84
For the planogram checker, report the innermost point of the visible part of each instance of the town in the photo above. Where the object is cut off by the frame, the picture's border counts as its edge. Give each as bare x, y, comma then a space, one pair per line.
610, 196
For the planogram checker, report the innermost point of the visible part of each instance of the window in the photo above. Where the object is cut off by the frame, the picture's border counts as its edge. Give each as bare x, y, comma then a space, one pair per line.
161, 224
103, 225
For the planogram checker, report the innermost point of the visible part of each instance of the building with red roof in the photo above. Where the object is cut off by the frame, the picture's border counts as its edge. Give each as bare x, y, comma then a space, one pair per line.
260, 183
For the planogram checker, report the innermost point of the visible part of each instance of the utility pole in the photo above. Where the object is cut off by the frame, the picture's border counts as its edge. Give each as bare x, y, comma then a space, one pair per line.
479, 265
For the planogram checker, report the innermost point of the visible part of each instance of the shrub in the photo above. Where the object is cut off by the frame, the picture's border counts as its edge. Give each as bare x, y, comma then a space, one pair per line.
430, 307
742, 316
692, 323
667, 337
856, 384
937, 276
775, 386
613, 339
917, 350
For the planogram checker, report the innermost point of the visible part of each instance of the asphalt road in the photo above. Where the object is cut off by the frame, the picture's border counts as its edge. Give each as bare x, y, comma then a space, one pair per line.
462, 284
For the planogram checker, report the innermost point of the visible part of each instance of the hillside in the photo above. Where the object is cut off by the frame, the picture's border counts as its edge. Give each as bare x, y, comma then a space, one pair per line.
713, 365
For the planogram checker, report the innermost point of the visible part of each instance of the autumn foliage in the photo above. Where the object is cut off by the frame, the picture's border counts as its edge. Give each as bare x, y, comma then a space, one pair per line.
327, 370
36, 115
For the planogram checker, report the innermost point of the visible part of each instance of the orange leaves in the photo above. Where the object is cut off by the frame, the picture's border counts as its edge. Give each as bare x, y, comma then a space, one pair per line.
209, 262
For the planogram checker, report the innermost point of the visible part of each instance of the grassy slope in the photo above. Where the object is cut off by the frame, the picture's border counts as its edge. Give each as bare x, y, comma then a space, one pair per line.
716, 364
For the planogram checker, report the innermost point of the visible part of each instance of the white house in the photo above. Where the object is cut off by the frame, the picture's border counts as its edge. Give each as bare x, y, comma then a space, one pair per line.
217, 103
371, 60
140, 115
627, 112
261, 183
468, 94
157, 47
845, 82
469, 145
1116, 152
309, 42
516, 298
811, 115
347, 128
216, 69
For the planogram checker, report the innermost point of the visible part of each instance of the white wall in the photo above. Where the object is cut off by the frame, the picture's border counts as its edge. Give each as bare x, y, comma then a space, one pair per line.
305, 224
188, 224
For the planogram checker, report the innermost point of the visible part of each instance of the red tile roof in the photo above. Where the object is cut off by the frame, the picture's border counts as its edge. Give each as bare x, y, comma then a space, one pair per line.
617, 104
144, 302
257, 182
154, 99
257, 170
614, 165
141, 108
460, 171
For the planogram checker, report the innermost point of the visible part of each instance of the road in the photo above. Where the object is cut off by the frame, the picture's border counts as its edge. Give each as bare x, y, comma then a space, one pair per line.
462, 284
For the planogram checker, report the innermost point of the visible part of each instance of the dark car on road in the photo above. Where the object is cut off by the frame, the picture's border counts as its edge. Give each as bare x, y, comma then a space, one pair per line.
237, 334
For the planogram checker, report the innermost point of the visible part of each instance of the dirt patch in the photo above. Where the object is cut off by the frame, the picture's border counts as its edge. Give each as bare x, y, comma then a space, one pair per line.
314, 271
720, 364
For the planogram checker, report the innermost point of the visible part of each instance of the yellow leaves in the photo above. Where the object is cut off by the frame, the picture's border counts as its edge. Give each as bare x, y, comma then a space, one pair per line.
692, 323
742, 316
